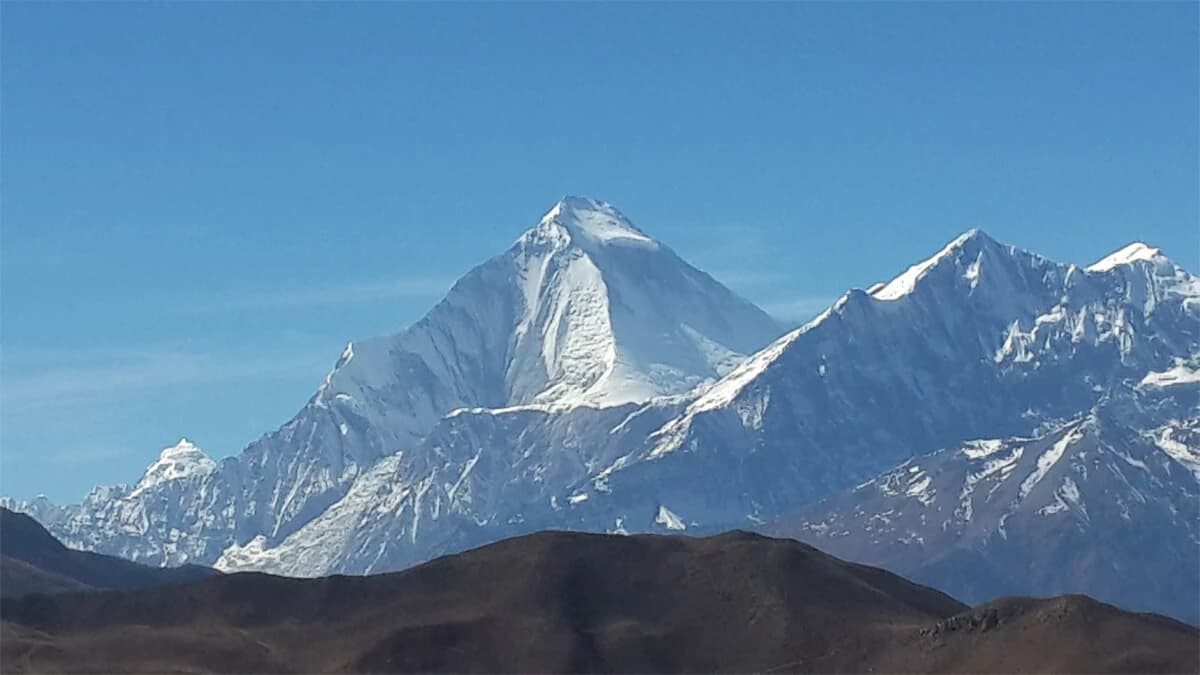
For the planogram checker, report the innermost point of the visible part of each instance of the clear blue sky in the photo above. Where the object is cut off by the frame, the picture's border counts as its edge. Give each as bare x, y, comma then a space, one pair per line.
202, 202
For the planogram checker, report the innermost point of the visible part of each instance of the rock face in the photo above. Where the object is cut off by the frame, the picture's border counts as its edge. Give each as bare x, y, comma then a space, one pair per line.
589, 379
575, 602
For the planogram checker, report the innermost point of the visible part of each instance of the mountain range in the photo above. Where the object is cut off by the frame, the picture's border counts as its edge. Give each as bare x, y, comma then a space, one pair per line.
990, 421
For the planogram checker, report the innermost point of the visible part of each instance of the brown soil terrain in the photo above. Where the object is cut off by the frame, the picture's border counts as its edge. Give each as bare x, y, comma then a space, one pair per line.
559, 602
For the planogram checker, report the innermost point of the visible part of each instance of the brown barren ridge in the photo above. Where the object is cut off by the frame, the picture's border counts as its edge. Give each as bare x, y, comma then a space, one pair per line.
559, 602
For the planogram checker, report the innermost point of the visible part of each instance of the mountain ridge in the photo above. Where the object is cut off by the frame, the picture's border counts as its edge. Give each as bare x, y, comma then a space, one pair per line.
570, 601
981, 340
473, 496
1101, 489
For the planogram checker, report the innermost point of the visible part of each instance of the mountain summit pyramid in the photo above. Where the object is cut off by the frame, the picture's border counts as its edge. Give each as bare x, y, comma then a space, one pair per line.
584, 309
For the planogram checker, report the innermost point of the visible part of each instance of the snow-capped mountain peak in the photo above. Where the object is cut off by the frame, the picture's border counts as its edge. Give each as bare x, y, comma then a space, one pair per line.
607, 315
590, 223
1150, 279
185, 455
972, 242
584, 308
1124, 256
182, 460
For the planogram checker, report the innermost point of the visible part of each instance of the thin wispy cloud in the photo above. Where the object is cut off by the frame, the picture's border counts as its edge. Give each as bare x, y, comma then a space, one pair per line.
745, 258
738, 256
125, 371
728, 246
357, 293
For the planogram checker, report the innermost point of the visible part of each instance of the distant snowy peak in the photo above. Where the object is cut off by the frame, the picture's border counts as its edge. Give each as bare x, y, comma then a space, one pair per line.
973, 256
589, 223
1124, 256
972, 259
182, 460
906, 282
1150, 277
608, 315
584, 309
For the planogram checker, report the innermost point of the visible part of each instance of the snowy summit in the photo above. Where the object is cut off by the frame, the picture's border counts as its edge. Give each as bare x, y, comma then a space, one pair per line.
178, 461
590, 222
1131, 253
974, 239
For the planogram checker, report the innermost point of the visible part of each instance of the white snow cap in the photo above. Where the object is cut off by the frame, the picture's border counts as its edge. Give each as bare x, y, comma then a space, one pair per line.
591, 221
178, 461
907, 282
1131, 253
184, 448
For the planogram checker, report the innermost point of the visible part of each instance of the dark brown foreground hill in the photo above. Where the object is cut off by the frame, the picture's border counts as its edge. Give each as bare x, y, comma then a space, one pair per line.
557, 602
33, 561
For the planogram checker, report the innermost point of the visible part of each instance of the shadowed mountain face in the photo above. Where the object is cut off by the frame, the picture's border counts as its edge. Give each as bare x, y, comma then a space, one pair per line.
1106, 505
557, 601
33, 561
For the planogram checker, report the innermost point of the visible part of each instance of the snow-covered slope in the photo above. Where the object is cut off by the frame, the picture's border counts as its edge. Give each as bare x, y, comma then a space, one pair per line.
979, 336
583, 309
606, 315
589, 379
981, 340
1107, 504
481, 475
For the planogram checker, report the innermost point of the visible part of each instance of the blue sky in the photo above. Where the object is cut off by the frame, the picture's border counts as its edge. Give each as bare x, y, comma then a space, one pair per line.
201, 203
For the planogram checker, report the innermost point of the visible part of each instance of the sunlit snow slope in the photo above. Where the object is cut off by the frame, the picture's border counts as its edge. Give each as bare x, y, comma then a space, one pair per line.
589, 379
584, 309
